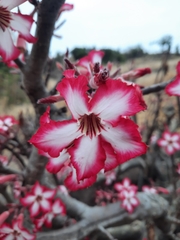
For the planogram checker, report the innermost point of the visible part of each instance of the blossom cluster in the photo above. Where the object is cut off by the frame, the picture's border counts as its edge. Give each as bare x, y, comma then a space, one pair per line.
42, 205
15, 230
43, 208
127, 194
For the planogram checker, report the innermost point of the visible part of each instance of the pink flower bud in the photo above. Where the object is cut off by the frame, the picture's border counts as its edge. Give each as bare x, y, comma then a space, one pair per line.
7, 178
4, 216
136, 73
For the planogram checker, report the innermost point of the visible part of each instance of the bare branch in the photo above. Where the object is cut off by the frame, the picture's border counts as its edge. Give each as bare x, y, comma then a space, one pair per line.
35, 168
155, 88
20, 64
33, 82
6, 170
106, 233
151, 206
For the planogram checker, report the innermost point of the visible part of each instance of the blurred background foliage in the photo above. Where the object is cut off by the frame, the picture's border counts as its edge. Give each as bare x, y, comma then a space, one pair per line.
10, 91
12, 94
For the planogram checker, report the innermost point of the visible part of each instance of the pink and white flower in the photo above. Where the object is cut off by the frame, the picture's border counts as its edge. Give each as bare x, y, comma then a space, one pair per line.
57, 208
170, 142
173, 88
125, 186
6, 122
15, 231
129, 201
150, 190
38, 199
97, 129
16, 22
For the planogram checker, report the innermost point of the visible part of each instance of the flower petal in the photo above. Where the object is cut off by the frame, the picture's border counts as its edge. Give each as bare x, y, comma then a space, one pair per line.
126, 182
118, 187
22, 24
84, 62
45, 205
87, 156
69, 73
74, 92
28, 200
26, 235
95, 56
49, 194
34, 209
127, 205
5, 229
52, 137
173, 88
11, 4
162, 143
111, 161
37, 189
58, 207
9, 237
45, 118
125, 140
175, 137
134, 201
73, 184
169, 149
176, 145
115, 99
7, 49
55, 164
167, 135
48, 219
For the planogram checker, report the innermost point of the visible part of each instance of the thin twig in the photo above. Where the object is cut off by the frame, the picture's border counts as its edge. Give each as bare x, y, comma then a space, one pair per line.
106, 233
20, 64
155, 88
173, 220
21, 160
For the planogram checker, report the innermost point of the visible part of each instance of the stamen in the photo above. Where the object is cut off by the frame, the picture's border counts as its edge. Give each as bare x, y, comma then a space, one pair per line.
90, 125
5, 17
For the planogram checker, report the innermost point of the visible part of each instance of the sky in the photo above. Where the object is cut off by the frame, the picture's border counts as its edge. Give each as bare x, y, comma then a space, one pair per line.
116, 24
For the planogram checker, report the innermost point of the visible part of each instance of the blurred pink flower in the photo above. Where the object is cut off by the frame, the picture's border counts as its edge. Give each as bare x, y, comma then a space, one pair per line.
173, 88
38, 199
170, 142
